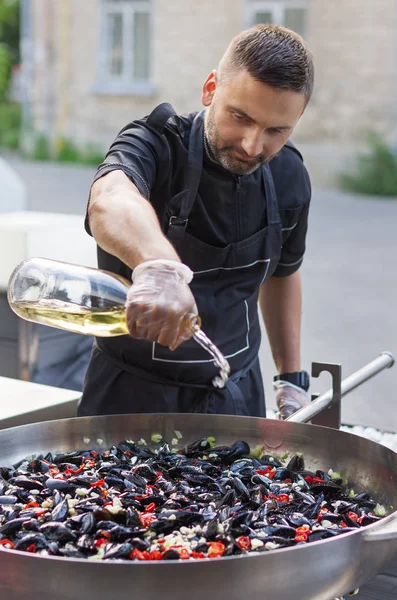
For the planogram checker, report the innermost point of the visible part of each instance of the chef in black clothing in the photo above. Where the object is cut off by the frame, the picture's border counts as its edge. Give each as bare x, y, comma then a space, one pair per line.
207, 214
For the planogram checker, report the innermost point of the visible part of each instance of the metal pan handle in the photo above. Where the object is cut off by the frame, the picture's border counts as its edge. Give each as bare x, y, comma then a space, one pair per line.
384, 361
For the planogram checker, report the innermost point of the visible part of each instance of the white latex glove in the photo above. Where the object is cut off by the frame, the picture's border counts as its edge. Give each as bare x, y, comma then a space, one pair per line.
158, 301
289, 398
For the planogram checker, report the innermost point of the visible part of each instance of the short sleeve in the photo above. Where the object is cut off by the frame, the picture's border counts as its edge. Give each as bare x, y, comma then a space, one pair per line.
140, 151
295, 192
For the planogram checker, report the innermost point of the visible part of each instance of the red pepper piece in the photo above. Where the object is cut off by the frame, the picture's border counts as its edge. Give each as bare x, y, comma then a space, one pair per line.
342, 524
98, 483
139, 498
303, 529
100, 542
184, 554
77, 471
243, 542
156, 555
216, 549
352, 515
32, 548
287, 480
138, 554
309, 479
301, 537
283, 498
31, 505
318, 480
6, 542
198, 555
150, 507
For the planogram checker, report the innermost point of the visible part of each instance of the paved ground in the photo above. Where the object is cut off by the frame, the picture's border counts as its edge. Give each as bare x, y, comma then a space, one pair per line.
350, 283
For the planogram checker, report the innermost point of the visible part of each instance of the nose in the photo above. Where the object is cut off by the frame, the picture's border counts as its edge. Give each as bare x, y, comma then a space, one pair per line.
252, 144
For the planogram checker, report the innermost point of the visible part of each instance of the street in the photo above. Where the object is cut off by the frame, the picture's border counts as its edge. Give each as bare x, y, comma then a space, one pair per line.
349, 283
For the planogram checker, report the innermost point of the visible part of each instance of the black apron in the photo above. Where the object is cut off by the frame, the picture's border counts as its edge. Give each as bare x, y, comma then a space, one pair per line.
146, 377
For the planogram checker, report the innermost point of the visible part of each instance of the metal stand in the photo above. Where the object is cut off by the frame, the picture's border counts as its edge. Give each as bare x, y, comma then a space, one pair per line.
331, 416
340, 388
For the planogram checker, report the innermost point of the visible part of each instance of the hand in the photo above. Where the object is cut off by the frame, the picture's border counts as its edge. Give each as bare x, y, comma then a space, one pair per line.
289, 398
159, 300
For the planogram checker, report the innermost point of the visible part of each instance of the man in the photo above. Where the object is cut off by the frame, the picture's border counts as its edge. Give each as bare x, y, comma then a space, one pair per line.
218, 200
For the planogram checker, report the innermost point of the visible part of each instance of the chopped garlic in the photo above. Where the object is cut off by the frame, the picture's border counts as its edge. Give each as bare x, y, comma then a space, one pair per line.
255, 543
271, 545
49, 503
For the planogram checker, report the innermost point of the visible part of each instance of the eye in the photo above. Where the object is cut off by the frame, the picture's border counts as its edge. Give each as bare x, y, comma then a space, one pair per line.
276, 131
238, 118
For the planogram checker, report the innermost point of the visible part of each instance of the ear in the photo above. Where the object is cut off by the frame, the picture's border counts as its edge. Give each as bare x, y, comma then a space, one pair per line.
209, 88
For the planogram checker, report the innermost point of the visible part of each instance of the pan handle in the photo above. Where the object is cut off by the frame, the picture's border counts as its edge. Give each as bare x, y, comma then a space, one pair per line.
383, 361
383, 531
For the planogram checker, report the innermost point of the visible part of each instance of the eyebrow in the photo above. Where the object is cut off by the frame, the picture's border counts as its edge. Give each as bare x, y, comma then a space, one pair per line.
247, 116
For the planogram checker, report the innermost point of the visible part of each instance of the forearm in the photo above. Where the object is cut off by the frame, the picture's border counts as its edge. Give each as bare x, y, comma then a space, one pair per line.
124, 223
280, 299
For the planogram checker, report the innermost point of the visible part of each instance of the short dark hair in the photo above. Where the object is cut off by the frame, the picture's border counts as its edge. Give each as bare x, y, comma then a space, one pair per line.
273, 55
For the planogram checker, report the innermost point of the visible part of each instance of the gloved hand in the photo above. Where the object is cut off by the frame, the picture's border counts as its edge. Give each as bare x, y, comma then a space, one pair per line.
289, 398
158, 301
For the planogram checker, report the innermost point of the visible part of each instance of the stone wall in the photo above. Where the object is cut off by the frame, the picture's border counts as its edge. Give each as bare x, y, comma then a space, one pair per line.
354, 45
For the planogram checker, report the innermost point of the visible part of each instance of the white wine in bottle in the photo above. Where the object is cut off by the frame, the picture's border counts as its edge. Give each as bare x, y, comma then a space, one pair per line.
87, 301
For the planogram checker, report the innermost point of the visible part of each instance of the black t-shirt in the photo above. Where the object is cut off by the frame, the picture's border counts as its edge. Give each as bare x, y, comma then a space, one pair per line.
228, 208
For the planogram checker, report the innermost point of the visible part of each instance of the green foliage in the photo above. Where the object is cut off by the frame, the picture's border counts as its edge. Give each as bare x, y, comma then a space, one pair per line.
5, 71
376, 171
93, 156
66, 151
41, 149
10, 123
9, 27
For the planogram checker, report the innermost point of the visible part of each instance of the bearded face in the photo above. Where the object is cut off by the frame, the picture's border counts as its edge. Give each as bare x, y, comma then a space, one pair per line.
247, 122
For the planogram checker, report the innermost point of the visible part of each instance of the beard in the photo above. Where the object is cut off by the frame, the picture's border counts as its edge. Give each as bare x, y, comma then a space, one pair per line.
226, 154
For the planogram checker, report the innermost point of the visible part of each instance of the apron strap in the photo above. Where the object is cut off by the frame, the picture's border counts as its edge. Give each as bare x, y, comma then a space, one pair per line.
273, 213
159, 116
181, 204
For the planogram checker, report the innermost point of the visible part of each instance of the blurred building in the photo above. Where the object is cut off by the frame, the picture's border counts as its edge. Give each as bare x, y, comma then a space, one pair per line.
91, 67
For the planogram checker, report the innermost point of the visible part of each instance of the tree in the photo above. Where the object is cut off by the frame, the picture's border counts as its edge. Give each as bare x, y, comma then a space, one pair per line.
9, 27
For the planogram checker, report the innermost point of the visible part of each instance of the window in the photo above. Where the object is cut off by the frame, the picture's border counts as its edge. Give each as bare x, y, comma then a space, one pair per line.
289, 13
125, 47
